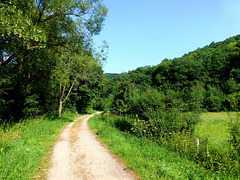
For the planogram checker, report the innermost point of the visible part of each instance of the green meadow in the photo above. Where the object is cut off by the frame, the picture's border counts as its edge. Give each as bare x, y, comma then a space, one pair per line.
215, 125
151, 160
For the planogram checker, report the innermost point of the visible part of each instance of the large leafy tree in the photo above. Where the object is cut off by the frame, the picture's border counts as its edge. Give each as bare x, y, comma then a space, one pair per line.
38, 38
34, 24
71, 69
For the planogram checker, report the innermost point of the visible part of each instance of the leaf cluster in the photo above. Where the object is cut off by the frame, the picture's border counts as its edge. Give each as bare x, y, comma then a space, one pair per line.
46, 45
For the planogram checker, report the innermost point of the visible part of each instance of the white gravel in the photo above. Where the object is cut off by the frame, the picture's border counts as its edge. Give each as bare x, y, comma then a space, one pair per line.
86, 158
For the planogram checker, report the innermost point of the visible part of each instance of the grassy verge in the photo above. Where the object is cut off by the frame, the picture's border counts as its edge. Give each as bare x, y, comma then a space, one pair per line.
24, 146
147, 158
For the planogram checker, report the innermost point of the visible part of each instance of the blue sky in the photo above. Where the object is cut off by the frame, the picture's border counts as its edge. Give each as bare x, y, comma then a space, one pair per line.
144, 32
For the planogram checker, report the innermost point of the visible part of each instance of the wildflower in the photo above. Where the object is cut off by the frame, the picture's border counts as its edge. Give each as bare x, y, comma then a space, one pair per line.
27, 149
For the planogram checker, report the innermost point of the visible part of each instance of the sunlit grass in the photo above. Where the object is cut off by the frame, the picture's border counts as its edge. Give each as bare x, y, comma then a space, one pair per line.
24, 146
215, 126
213, 116
147, 158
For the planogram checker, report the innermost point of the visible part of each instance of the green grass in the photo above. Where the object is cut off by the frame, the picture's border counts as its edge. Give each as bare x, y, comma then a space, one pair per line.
24, 146
215, 126
217, 152
147, 158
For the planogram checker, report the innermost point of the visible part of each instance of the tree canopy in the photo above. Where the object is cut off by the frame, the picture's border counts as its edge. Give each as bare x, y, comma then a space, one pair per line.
46, 45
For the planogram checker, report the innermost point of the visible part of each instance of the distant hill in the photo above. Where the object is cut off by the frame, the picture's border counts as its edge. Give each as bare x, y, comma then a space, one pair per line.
110, 75
209, 76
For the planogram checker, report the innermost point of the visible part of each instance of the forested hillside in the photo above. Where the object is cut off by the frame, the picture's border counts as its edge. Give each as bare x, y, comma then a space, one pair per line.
110, 75
205, 79
47, 59
164, 103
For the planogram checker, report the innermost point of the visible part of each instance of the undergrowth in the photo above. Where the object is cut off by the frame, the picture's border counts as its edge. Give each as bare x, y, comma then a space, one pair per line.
146, 157
209, 149
24, 145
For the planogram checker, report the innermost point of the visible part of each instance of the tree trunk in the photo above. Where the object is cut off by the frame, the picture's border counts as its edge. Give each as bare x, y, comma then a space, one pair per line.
62, 91
60, 108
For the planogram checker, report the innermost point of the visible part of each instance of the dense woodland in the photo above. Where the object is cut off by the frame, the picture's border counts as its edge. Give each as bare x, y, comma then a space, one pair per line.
47, 59
207, 79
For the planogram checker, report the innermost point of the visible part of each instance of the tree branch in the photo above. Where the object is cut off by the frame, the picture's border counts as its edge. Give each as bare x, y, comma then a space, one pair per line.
4, 63
41, 12
71, 88
63, 92
1, 60
78, 15
34, 47
9, 59
47, 19
60, 90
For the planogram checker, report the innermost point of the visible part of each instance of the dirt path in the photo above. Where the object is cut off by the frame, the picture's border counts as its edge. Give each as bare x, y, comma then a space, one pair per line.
79, 155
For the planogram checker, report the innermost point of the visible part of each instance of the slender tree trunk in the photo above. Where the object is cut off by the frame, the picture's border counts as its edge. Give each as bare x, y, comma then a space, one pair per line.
60, 108
62, 91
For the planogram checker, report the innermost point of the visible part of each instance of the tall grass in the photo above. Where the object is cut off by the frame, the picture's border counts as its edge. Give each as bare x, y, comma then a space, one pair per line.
146, 157
209, 145
24, 145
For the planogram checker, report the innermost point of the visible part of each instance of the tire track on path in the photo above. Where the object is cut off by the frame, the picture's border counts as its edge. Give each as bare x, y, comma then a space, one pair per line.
84, 158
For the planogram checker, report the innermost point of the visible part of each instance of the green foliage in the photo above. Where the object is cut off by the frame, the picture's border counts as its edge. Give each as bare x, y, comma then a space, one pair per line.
212, 151
214, 99
24, 145
235, 74
147, 158
196, 96
163, 102
234, 100
46, 46
234, 130
231, 86
200, 80
110, 75
216, 151
151, 108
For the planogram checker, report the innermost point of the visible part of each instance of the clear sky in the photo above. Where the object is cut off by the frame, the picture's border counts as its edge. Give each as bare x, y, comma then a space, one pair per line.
144, 32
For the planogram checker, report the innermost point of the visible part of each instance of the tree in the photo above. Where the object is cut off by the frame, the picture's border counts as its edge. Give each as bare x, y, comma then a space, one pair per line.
28, 24
214, 98
70, 70
36, 36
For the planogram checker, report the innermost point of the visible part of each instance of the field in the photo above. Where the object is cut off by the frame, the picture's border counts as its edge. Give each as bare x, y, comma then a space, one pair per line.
215, 159
215, 126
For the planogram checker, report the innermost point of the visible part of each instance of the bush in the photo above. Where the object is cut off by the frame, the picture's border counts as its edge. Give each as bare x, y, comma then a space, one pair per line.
162, 123
234, 101
175, 132
214, 99
234, 131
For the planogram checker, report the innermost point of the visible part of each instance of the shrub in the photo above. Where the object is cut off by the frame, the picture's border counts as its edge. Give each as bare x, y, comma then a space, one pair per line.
234, 101
234, 131
214, 99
